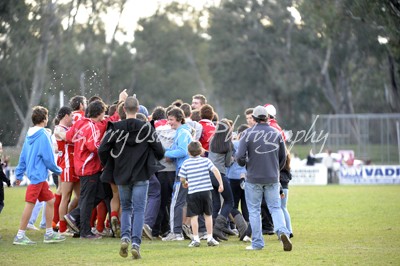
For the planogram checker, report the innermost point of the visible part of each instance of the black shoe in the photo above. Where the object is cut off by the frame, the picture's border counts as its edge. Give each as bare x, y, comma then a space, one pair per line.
291, 235
268, 232
71, 224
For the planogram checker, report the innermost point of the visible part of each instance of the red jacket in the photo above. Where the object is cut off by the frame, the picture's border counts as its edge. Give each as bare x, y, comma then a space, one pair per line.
273, 123
85, 135
207, 133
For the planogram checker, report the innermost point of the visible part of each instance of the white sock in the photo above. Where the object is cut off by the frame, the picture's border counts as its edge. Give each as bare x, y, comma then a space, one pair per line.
196, 238
209, 237
21, 233
49, 231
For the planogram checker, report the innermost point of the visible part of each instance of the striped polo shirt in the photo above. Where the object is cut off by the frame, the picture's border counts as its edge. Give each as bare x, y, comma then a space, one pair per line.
196, 171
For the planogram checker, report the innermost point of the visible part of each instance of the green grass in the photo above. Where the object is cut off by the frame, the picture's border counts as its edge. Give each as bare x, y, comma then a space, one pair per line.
333, 225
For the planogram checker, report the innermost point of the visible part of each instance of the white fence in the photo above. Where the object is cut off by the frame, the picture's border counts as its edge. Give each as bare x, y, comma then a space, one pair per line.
364, 174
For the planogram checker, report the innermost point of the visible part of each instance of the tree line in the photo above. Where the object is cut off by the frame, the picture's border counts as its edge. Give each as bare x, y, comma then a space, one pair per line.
342, 56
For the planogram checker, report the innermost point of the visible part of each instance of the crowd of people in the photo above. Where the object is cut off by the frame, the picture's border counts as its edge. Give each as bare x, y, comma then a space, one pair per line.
178, 172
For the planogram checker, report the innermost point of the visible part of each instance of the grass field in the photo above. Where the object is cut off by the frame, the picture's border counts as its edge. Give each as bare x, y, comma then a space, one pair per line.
333, 225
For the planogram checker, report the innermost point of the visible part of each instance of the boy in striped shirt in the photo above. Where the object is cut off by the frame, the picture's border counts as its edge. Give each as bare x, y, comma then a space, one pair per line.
194, 174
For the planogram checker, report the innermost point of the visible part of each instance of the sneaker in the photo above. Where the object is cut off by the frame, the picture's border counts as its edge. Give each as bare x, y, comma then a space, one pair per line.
115, 226
212, 242
123, 251
246, 239
291, 235
287, 245
135, 252
71, 223
32, 227
53, 238
252, 248
23, 241
187, 231
173, 237
147, 231
203, 235
104, 233
91, 237
66, 233
194, 244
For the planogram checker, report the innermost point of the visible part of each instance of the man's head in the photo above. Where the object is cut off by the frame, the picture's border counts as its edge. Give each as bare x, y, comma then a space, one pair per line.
206, 112
96, 110
260, 114
78, 103
195, 148
131, 105
187, 109
159, 113
65, 113
176, 117
249, 117
177, 103
198, 101
40, 115
271, 110
121, 112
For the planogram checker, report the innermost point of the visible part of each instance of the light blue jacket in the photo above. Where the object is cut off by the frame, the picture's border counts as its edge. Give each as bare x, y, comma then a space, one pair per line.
179, 149
37, 157
235, 170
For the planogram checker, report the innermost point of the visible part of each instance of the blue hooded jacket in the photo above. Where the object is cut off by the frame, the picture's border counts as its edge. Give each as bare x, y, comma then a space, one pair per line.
179, 149
37, 157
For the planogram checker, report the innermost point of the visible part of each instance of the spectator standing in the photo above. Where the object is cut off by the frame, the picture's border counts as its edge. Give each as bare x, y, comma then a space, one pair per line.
264, 157
135, 161
36, 159
284, 179
178, 153
194, 174
328, 162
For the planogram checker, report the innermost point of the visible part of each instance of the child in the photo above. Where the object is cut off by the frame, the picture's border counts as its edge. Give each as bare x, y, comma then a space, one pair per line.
36, 159
194, 174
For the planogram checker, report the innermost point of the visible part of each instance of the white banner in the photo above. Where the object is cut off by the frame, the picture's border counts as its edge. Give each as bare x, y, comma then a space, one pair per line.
309, 175
370, 174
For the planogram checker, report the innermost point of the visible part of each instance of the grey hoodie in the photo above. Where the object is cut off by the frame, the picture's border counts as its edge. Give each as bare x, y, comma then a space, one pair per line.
262, 150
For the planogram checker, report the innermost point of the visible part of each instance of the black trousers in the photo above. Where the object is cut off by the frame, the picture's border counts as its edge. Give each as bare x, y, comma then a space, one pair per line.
239, 196
92, 192
166, 180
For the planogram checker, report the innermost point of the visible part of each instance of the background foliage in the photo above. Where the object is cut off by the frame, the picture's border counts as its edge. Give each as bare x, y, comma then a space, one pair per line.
239, 53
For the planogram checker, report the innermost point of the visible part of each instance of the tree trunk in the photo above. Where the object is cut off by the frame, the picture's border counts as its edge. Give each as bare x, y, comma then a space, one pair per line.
40, 68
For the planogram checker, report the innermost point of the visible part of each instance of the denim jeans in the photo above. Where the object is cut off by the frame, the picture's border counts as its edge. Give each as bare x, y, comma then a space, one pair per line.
254, 196
227, 195
39, 205
285, 210
153, 201
133, 204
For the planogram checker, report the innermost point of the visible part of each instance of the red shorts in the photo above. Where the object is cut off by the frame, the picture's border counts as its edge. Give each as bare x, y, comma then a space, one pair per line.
39, 192
68, 175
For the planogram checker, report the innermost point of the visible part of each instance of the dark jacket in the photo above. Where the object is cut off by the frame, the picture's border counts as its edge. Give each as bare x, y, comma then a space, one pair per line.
130, 152
285, 178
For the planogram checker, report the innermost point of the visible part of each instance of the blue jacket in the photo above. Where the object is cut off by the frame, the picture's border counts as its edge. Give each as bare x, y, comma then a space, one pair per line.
179, 149
37, 157
235, 170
